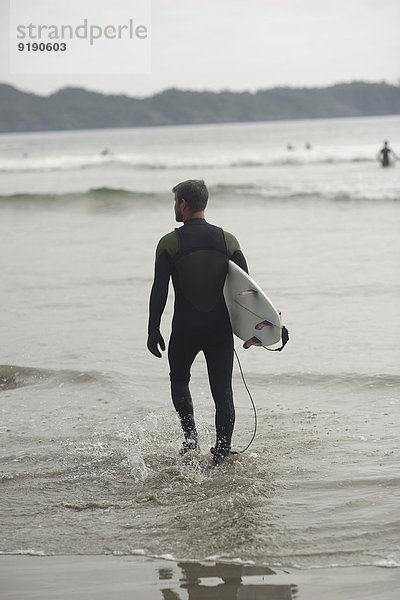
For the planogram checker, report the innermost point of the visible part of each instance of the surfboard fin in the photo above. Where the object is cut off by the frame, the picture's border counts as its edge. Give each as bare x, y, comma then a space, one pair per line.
263, 324
254, 341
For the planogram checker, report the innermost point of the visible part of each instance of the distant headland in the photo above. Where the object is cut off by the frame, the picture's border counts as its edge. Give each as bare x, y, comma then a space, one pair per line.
76, 108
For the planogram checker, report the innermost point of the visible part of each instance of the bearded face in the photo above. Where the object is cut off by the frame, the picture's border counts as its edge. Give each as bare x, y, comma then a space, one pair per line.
178, 211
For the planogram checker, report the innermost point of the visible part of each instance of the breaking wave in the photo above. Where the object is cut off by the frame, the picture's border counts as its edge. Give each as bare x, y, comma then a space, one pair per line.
132, 161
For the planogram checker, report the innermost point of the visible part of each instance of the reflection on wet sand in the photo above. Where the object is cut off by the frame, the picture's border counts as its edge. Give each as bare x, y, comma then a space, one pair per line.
223, 581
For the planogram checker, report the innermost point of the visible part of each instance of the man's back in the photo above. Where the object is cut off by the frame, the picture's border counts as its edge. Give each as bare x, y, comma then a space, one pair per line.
196, 256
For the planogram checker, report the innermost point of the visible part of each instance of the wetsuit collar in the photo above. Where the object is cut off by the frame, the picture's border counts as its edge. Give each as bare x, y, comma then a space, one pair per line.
195, 221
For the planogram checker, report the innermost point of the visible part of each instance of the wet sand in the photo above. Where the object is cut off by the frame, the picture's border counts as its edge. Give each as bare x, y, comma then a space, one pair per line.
137, 577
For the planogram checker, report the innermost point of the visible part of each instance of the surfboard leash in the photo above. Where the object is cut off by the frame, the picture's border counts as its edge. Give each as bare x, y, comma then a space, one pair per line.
256, 342
285, 339
253, 405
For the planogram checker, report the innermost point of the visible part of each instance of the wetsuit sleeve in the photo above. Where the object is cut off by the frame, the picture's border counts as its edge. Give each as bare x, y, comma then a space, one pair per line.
166, 247
234, 251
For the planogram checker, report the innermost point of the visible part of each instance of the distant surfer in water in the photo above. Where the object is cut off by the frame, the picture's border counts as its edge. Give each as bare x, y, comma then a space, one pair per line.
196, 256
385, 154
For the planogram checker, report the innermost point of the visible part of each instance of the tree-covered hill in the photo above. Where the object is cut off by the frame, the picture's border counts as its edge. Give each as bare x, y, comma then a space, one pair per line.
76, 108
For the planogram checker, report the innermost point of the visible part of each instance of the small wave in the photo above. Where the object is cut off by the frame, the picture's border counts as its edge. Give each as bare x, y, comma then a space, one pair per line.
48, 163
13, 377
25, 552
388, 563
284, 195
91, 506
355, 483
100, 194
307, 561
362, 380
270, 194
119, 198
296, 560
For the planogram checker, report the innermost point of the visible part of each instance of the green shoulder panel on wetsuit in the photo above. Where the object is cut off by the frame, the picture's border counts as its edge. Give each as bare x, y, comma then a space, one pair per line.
231, 243
169, 243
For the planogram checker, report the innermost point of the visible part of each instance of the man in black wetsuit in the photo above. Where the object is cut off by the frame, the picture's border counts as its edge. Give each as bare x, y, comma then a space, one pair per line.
196, 257
385, 154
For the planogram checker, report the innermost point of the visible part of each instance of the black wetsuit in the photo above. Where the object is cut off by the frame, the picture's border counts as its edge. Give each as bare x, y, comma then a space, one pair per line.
385, 156
196, 256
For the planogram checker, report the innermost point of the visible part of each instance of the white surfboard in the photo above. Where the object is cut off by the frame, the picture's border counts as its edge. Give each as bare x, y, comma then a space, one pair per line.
254, 318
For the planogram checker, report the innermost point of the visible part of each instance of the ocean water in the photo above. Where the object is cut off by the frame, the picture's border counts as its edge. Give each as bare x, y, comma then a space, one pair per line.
89, 460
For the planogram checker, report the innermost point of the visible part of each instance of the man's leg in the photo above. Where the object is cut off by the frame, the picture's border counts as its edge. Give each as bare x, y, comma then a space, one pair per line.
181, 354
219, 359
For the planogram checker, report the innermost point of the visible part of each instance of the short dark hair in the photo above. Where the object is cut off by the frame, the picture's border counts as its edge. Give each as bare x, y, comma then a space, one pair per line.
194, 191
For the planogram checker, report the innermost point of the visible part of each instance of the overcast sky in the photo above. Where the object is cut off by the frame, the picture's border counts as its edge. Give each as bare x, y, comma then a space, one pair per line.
246, 45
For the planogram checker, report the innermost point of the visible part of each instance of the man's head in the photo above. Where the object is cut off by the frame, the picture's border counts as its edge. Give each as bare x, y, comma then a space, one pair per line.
190, 198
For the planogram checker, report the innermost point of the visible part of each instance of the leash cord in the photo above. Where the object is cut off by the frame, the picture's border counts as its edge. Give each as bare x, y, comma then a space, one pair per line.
253, 405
